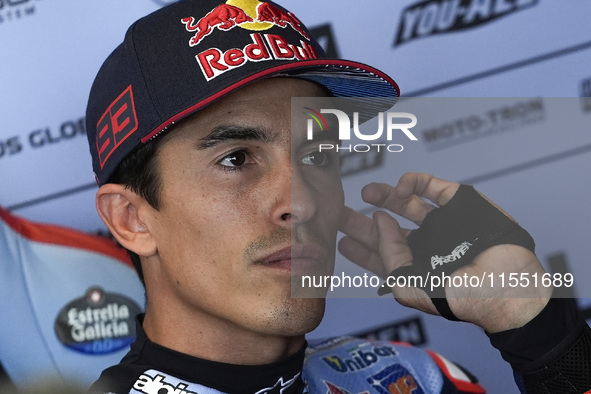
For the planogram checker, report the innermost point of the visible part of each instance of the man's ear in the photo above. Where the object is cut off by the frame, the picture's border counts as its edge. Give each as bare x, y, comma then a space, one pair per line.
120, 208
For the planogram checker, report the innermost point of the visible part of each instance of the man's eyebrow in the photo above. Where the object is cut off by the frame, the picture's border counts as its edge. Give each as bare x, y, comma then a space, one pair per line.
235, 133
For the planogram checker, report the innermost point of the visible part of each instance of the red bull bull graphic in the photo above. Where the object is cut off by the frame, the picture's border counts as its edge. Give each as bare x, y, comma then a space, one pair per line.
223, 17
277, 16
248, 14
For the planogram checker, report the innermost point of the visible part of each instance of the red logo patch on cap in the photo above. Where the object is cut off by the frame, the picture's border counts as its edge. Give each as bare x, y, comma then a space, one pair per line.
117, 123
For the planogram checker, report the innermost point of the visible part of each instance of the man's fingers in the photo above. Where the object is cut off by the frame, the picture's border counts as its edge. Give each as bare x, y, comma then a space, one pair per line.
362, 256
383, 195
393, 247
414, 297
359, 227
407, 199
437, 190
370, 241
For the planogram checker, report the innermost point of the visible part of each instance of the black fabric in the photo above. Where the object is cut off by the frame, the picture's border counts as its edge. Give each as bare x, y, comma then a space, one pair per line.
569, 373
551, 353
443, 308
240, 379
452, 235
525, 347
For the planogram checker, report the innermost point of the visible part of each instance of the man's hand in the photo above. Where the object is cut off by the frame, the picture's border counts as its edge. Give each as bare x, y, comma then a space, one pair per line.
380, 245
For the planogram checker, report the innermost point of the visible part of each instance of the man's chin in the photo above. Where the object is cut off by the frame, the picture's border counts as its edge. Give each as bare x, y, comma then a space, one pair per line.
305, 286
301, 316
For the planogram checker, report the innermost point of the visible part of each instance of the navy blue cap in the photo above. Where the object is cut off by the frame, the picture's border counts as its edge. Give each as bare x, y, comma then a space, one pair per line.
190, 53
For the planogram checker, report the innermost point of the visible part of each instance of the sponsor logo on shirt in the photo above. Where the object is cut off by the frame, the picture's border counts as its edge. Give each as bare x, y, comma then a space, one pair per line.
280, 386
395, 379
359, 358
156, 382
97, 323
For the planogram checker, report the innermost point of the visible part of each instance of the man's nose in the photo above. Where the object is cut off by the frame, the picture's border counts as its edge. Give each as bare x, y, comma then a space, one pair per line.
295, 203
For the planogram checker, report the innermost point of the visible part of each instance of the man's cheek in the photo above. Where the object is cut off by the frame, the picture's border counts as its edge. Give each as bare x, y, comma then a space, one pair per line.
328, 187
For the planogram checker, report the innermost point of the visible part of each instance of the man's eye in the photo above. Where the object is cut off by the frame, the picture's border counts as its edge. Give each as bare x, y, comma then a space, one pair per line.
317, 159
235, 159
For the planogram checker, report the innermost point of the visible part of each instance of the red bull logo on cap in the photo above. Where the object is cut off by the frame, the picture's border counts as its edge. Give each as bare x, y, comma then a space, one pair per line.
251, 15
248, 14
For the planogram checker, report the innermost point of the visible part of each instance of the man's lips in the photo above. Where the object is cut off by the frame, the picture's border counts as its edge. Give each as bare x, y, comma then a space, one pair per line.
306, 259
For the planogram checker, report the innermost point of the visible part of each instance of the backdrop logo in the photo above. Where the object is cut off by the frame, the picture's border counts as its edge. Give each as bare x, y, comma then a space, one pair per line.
585, 95
388, 123
42, 137
431, 17
485, 124
11, 10
409, 330
324, 35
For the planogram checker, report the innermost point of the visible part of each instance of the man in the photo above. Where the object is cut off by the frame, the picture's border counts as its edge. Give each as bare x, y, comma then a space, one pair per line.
220, 203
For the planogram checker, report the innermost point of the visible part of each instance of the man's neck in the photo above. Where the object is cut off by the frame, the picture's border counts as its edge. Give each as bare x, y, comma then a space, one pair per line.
211, 338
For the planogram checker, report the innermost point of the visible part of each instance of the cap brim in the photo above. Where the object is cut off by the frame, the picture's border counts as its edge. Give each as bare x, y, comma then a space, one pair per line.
342, 78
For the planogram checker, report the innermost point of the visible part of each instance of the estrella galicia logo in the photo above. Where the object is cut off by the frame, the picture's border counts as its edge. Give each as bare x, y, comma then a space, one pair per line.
97, 323
359, 359
431, 17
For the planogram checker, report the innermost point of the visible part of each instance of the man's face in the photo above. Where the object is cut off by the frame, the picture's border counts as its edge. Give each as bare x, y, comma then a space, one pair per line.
244, 203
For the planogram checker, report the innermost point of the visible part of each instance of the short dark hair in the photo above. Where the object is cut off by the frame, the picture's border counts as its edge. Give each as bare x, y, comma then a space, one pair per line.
139, 172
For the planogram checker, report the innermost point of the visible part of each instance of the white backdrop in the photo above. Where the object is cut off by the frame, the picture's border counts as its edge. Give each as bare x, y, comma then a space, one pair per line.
51, 50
